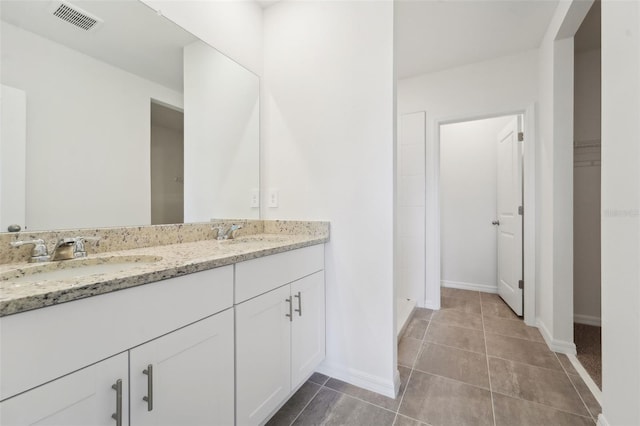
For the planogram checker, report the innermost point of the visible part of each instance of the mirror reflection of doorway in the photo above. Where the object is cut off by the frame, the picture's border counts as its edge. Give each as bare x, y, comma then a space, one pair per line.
167, 164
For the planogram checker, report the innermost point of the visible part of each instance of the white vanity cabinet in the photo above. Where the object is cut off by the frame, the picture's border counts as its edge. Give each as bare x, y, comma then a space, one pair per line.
91, 396
185, 377
53, 371
280, 334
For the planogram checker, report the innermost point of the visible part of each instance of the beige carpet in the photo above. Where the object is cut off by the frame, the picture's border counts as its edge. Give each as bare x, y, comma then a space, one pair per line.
588, 340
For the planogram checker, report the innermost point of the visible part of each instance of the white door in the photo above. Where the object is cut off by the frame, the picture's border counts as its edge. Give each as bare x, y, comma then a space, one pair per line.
13, 142
263, 355
308, 327
509, 219
84, 398
190, 381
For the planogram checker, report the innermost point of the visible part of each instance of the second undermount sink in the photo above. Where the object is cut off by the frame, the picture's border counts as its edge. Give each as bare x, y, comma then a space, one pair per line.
78, 268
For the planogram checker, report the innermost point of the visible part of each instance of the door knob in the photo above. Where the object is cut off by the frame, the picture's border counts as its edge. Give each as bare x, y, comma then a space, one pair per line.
496, 222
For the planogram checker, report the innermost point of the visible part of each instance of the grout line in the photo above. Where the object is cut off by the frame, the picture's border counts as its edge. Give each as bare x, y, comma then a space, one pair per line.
555, 370
359, 399
484, 333
455, 325
520, 338
576, 389
544, 405
307, 404
586, 378
452, 380
454, 347
406, 386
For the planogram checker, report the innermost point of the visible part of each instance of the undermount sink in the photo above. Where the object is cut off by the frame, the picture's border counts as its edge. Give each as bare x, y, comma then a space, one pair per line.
76, 268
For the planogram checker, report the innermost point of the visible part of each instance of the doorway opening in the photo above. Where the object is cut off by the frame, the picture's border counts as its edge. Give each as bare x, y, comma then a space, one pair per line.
167, 164
481, 199
586, 198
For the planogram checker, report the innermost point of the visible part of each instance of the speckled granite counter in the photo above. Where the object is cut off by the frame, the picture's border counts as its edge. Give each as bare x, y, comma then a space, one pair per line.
18, 295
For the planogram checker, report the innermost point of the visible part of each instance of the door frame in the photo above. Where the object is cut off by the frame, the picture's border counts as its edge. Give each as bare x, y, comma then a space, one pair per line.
432, 220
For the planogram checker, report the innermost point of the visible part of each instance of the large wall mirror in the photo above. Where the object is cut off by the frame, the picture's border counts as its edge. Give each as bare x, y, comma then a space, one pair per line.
114, 116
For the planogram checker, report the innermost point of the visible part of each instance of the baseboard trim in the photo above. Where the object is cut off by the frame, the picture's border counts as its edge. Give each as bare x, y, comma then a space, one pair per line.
597, 393
430, 304
561, 346
469, 286
588, 320
602, 421
362, 379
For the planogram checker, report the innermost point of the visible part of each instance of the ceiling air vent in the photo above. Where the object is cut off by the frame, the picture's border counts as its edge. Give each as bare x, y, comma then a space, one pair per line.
76, 16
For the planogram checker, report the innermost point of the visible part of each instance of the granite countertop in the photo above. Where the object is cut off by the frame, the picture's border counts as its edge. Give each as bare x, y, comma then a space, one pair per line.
19, 291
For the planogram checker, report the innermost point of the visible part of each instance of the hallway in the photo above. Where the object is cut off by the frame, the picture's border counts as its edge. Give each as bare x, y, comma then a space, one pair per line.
471, 363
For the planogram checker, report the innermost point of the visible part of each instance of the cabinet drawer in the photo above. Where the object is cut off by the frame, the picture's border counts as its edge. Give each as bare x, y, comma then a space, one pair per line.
40, 345
258, 276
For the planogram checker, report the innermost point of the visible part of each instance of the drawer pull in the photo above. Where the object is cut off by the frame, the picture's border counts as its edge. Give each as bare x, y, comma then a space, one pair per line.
290, 314
149, 398
299, 310
117, 416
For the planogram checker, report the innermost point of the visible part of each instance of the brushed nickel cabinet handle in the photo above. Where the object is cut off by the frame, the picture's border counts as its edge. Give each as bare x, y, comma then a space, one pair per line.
117, 416
299, 310
290, 314
149, 398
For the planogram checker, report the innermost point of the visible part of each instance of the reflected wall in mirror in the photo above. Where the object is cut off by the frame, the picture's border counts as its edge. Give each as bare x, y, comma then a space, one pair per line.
80, 107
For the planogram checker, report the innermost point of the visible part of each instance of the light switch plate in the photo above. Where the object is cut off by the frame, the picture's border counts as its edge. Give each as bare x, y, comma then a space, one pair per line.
255, 198
273, 197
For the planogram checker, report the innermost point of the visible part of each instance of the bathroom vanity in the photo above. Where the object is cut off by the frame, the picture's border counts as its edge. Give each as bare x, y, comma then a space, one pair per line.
212, 332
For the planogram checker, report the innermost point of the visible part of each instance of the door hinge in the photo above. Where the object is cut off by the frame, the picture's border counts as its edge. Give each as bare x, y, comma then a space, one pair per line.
520, 210
520, 136
520, 284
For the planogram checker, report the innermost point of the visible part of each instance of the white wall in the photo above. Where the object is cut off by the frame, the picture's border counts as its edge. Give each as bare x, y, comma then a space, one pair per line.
586, 180
232, 27
503, 85
328, 143
83, 116
221, 136
13, 147
621, 212
468, 199
554, 172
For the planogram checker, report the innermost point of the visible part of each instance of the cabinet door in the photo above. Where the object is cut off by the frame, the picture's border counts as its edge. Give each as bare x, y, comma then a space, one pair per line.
263, 359
308, 326
191, 380
83, 398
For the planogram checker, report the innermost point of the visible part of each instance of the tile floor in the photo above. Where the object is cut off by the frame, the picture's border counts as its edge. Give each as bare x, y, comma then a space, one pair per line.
474, 362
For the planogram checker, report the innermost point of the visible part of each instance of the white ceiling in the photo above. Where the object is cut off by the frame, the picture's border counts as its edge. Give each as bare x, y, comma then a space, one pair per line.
133, 37
266, 3
433, 35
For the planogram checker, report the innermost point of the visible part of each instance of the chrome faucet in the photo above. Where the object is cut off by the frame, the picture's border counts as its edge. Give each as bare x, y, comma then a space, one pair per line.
230, 234
71, 248
39, 252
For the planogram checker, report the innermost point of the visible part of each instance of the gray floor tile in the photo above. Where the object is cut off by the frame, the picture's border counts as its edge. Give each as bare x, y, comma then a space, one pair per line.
406, 421
408, 351
548, 387
512, 411
566, 363
422, 314
526, 351
590, 401
458, 318
490, 297
460, 294
498, 309
334, 408
465, 366
372, 397
439, 401
294, 406
457, 337
416, 329
318, 378
512, 328
465, 305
